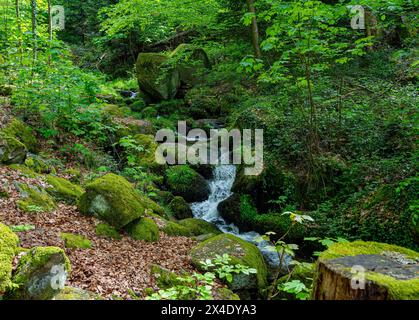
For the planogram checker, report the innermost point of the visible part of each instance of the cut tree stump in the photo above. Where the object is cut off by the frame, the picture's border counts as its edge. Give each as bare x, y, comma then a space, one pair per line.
367, 271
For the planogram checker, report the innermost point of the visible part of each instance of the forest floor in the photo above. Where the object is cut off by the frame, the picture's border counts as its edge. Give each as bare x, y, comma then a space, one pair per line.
112, 267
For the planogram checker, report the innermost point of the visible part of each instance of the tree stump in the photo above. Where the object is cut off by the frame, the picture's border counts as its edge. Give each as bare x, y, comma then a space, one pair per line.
367, 271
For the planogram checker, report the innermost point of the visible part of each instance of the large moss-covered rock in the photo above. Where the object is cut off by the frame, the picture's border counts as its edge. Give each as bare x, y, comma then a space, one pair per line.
8, 247
388, 272
161, 75
113, 199
63, 190
34, 199
185, 182
22, 132
144, 229
241, 252
153, 80
11, 150
41, 274
180, 208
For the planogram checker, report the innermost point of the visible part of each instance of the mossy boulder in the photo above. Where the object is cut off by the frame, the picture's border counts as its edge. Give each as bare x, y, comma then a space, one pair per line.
63, 190
71, 293
112, 110
161, 75
144, 229
153, 80
380, 271
138, 105
113, 199
24, 170
185, 182
104, 230
41, 274
11, 150
34, 199
22, 132
190, 228
180, 208
75, 241
8, 247
241, 252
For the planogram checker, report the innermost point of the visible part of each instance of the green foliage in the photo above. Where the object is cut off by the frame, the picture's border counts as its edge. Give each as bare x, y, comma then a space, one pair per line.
107, 231
200, 286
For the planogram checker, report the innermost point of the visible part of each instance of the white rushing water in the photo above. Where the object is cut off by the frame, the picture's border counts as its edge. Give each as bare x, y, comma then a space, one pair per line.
220, 185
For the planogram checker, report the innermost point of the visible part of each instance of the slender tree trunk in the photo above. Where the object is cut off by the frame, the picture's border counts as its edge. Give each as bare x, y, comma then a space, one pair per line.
34, 25
255, 29
49, 31
19, 29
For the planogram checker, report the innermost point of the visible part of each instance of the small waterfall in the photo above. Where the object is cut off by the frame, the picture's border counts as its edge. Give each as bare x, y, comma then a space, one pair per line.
220, 185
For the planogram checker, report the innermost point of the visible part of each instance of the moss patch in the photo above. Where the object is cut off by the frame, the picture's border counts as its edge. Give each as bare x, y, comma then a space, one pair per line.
145, 229
8, 248
75, 241
106, 231
63, 190
180, 208
22, 132
11, 150
34, 200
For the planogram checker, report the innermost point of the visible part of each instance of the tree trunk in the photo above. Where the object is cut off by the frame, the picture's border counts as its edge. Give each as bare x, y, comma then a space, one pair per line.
34, 25
19, 29
49, 30
365, 277
255, 29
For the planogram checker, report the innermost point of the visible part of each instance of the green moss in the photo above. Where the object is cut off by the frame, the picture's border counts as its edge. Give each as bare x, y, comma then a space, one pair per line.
107, 231
144, 229
397, 289
138, 105
11, 150
70, 293
175, 229
149, 112
38, 165
185, 182
74, 173
112, 110
24, 170
362, 247
8, 248
75, 241
240, 251
147, 158
180, 208
198, 227
22, 132
34, 200
32, 268
113, 199
63, 190
226, 294
165, 279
